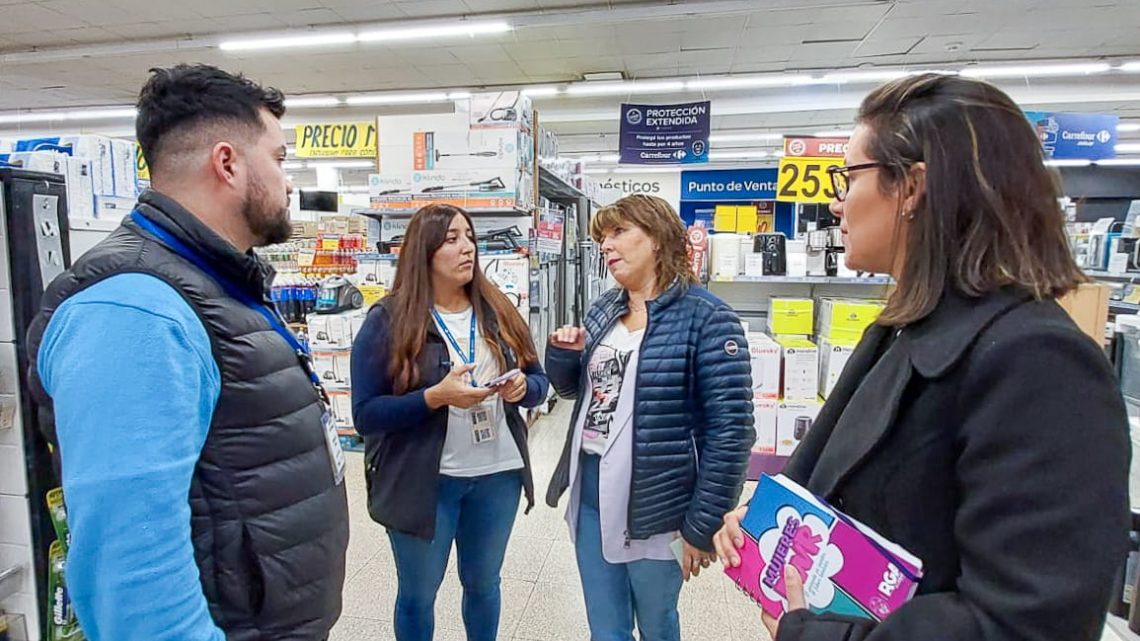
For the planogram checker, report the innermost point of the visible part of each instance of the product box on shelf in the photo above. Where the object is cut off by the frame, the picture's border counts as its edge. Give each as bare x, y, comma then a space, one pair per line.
324, 364
833, 357
725, 256
790, 316
800, 376
766, 414
766, 357
845, 319
329, 331
97, 149
793, 421
341, 409
113, 208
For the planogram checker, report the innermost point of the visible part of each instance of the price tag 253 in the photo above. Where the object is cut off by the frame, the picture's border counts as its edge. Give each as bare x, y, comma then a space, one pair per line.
805, 180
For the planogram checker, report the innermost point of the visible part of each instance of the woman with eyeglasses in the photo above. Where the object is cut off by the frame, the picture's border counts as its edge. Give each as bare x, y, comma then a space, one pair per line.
436, 393
975, 425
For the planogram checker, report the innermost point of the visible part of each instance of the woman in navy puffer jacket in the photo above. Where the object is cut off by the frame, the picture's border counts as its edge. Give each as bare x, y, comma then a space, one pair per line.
658, 446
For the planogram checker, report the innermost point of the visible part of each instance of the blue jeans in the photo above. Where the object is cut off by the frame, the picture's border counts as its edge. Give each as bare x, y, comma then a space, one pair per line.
617, 593
477, 514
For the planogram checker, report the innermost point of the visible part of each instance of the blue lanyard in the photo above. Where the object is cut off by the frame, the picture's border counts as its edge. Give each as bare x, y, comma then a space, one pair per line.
271, 315
469, 360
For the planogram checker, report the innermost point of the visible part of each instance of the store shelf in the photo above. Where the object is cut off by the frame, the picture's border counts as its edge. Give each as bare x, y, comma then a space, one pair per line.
11, 579
553, 187
1122, 307
805, 280
91, 224
1103, 275
370, 257
384, 213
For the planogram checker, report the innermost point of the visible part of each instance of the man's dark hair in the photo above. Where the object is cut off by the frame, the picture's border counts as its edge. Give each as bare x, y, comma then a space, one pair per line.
179, 100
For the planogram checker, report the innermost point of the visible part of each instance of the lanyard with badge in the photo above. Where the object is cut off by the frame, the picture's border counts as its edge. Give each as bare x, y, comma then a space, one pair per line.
482, 425
271, 315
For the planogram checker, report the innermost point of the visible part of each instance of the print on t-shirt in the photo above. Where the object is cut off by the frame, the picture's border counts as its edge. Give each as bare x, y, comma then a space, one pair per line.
607, 370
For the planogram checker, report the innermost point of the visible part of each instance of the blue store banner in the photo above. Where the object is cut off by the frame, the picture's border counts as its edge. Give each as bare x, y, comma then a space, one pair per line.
727, 185
665, 134
1075, 136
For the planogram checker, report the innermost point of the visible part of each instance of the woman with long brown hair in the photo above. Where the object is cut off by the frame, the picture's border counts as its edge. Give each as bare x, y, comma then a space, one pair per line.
975, 424
445, 444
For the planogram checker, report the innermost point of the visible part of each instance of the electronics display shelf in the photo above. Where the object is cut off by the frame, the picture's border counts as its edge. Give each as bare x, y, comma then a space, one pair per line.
553, 187
1122, 307
1119, 276
804, 280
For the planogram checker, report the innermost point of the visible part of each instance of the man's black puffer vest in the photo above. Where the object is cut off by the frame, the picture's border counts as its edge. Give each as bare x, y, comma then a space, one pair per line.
268, 521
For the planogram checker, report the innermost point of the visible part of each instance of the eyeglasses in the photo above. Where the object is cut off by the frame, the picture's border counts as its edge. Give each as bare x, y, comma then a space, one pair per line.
839, 181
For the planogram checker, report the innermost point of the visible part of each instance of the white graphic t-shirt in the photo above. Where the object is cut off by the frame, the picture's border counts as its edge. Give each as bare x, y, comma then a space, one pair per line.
612, 372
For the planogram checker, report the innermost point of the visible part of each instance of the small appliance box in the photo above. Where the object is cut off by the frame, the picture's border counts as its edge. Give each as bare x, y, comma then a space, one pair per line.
766, 359
766, 412
845, 319
793, 422
791, 316
800, 364
848, 568
833, 357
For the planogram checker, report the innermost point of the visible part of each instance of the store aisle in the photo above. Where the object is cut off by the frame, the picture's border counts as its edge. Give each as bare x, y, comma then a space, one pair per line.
542, 598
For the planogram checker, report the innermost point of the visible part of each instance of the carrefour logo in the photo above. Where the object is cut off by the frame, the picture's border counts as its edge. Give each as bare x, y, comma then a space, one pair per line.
1103, 136
633, 116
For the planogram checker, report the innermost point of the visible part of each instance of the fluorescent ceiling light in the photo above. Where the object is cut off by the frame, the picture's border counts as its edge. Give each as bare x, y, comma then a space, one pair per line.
1128, 126
289, 42
738, 155
68, 114
1128, 148
878, 75
1119, 162
836, 133
747, 82
1130, 66
397, 98
630, 87
313, 101
1031, 71
536, 92
745, 137
1068, 163
440, 31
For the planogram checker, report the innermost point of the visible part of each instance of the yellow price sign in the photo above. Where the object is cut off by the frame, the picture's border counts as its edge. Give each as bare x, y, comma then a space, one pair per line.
141, 164
336, 140
805, 180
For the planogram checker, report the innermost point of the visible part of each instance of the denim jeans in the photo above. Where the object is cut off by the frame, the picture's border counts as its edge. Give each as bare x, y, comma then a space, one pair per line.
477, 514
617, 594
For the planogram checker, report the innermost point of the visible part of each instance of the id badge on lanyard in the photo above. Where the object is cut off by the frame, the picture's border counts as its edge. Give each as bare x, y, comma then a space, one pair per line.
336, 452
482, 415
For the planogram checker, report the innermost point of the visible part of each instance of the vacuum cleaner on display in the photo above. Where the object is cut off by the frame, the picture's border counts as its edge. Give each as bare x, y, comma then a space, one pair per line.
338, 295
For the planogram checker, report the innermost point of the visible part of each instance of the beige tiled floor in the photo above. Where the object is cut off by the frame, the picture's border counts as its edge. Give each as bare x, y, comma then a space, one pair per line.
542, 596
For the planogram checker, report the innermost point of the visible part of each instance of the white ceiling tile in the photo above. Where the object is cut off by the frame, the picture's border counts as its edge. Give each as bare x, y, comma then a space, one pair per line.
883, 47
434, 8
34, 17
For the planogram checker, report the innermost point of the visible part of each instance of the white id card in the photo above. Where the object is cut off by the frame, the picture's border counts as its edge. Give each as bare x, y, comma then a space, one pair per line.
336, 454
482, 424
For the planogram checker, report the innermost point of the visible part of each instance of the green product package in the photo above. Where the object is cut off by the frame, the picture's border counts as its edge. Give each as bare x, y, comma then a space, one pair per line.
58, 511
64, 625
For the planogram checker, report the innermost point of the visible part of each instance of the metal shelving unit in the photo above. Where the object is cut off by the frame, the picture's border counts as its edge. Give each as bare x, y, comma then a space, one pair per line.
806, 280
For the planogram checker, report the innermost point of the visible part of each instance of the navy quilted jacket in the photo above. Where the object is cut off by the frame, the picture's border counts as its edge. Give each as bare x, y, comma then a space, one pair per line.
692, 414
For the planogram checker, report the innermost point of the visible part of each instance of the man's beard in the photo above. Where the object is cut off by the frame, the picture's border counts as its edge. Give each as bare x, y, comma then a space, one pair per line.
268, 224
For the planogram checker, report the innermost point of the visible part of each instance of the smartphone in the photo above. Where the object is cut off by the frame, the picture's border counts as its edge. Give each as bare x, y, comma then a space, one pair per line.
504, 379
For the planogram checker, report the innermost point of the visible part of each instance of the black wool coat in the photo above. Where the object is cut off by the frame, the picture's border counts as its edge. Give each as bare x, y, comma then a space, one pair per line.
990, 439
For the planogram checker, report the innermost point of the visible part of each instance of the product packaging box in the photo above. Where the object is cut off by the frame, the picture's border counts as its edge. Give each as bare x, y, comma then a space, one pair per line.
791, 316
97, 149
113, 208
124, 168
793, 422
845, 319
766, 357
80, 188
324, 363
766, 413
800, 375
833, 357
329, 331
847, 568
342, 409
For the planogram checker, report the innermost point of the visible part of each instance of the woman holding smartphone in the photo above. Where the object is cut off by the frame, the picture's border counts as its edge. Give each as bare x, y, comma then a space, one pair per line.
440, 369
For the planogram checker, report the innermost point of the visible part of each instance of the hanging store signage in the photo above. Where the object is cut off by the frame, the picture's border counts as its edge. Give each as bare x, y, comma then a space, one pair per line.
805, 180
729, 185
336, 140
550, 227
1074, 135
812, 147
665, 134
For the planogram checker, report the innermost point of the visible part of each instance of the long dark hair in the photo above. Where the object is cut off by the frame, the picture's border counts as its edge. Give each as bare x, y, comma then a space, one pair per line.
411, 300
990, 216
